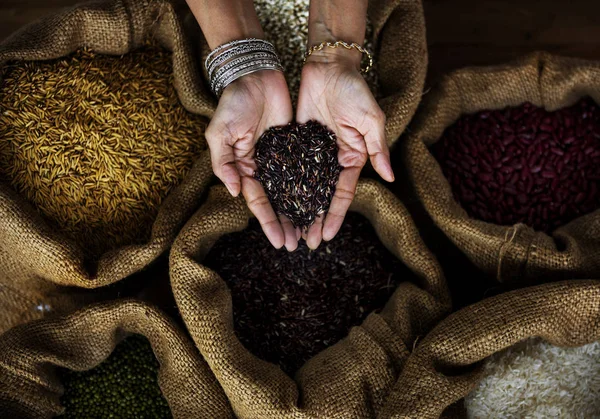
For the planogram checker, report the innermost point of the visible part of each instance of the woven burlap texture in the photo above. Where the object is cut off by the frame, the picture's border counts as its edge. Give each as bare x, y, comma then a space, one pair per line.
517, 252
36, 260
348, 380
445, 366
401, 54
30, 354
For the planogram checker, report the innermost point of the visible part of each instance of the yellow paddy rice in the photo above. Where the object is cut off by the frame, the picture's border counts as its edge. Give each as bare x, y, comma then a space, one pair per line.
96, 142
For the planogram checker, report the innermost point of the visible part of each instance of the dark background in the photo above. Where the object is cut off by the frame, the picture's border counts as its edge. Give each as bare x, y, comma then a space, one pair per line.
459, 32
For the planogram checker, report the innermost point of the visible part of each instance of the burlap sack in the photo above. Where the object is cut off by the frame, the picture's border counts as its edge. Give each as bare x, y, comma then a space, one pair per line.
445, 366
401, 54
36, 261
506, 253
348, 380
30, 354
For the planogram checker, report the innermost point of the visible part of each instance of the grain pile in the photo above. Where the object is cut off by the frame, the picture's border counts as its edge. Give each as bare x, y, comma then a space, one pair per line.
125, 385
289, 306
96, 142
534, 379
285, 23
297, 166
525, 164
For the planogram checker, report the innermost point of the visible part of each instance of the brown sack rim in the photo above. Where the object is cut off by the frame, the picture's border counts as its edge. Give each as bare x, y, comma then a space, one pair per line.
504, 252
445, 366
345, 379
29, 355
112, 27
399, 29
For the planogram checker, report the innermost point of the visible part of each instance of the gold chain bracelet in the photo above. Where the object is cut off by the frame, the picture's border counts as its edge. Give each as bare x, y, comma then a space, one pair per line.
336, 44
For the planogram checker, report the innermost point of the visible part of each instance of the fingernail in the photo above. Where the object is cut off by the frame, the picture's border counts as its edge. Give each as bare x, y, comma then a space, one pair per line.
231, 192
388, 169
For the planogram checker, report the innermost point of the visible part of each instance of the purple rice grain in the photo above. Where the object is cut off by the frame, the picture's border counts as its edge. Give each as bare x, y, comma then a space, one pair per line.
287, 307
524, 164
298, 168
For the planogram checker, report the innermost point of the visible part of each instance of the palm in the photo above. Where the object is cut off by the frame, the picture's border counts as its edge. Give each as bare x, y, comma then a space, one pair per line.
246, 114
330, 97
339, 98
246, 109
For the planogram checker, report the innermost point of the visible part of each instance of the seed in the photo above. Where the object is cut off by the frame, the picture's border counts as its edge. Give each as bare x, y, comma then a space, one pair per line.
124, 385
96, 142
327, 291
298, 168
556, 165
548, 174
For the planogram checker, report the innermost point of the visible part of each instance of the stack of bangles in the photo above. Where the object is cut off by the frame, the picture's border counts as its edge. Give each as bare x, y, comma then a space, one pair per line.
228, 62
235, 59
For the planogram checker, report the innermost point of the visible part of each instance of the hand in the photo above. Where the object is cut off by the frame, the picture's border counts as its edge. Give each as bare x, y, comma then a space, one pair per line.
333, 92
247, 108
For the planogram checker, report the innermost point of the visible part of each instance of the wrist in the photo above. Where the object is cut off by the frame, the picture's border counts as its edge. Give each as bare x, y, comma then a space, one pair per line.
349, 58
243, 29
332, 20
337, 20
265, 80
226, 21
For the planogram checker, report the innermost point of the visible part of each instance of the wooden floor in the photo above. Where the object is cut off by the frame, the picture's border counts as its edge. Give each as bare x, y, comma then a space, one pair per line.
459, 32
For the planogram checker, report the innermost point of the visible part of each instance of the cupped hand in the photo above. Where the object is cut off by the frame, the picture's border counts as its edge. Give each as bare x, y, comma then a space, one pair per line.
247, 108
334, 93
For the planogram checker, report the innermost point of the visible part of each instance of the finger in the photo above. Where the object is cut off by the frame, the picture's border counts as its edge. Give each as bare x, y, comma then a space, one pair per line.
244, 158
377, 147
223, 164
298, 234
342, 198
291, 240
259, 204
383, 166
315, 233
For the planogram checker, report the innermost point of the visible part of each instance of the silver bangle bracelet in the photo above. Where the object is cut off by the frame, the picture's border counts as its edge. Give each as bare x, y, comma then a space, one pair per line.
248, 69
235, 51
235, 59
242, 71
235, 62
232, 44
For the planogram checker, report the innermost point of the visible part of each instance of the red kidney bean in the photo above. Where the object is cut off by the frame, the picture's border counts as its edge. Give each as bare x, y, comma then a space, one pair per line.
530, 183
525, 164
547, 174
536, 169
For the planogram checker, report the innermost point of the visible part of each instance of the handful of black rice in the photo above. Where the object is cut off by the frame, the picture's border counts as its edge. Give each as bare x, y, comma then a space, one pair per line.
298, 168
288, 307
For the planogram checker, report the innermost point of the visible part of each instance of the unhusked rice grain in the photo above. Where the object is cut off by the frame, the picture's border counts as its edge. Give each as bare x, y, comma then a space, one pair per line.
96, 142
